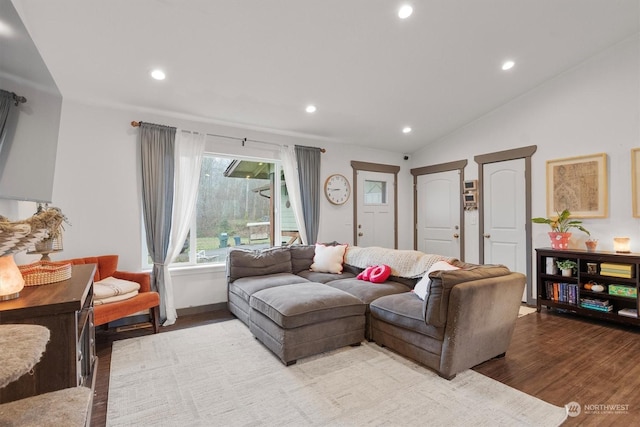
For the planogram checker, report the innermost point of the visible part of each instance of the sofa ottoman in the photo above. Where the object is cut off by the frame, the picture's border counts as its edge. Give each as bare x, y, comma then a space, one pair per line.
303, 319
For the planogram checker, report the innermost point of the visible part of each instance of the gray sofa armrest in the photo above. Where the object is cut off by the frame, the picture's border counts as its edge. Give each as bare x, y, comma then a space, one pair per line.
480, 321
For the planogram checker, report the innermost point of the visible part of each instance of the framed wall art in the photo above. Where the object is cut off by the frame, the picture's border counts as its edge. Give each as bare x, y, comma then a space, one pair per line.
635, 181
578, 184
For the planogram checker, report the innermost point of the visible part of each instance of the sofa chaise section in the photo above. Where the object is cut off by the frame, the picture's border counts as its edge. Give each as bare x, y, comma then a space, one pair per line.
467, 318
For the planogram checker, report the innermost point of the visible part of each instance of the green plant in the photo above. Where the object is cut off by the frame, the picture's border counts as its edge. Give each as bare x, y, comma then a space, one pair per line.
566, 264
561, 223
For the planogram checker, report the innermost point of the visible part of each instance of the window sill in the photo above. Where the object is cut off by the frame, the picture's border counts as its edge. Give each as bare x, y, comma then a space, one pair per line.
185, 270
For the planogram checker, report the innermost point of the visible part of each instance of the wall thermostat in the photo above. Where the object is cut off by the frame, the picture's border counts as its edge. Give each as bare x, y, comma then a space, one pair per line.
470, 201
471, 185
470, 195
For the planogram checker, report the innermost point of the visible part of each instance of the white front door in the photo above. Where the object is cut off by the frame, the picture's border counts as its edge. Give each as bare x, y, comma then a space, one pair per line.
438, 213
376, 209
504, 215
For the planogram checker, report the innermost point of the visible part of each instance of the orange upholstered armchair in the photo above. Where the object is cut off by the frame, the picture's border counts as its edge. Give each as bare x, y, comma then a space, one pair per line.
146, 299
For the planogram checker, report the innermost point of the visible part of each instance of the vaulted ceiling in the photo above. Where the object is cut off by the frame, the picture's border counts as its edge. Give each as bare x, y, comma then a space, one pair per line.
258, 64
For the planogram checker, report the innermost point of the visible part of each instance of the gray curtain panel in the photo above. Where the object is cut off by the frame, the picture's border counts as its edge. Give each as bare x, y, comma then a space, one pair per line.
308, 159
157, 144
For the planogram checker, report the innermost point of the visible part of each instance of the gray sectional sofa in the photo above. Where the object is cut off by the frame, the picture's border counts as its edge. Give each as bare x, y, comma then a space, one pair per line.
467, 317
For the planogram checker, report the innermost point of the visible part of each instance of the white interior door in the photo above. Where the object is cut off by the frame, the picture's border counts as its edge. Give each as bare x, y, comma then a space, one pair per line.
376, 209
438, 213
504, 215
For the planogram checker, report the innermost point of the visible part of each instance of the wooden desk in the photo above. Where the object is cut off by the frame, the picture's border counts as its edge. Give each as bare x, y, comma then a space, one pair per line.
66, 309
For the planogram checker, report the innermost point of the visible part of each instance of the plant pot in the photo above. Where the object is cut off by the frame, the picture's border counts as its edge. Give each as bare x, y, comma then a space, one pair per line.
567, 272
559, 240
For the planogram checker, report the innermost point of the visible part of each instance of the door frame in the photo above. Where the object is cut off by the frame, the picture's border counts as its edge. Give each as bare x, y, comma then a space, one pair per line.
375, 167
501, 156
458, 165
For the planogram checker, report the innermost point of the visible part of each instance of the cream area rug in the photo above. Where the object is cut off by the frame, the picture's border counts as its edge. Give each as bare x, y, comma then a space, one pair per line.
219, 375
524, 310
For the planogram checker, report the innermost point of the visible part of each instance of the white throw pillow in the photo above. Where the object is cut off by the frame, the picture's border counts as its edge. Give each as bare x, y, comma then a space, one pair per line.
422, 287
110, 287
328, 259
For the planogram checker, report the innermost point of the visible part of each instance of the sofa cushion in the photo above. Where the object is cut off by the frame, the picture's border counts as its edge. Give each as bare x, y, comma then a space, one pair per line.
437, 301
404, 310
244, 287
293, 306
246, 262
314, 276
328, 259
367, 291
301, 257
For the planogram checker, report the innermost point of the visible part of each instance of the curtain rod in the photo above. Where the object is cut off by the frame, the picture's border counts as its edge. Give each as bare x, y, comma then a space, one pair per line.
136, 124
16, 98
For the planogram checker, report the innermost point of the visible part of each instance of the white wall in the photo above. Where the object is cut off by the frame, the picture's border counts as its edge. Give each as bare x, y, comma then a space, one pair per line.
97, 185
590, 109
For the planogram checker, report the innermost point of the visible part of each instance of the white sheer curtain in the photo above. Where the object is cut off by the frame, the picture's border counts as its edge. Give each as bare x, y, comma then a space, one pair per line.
188, 161
290, 169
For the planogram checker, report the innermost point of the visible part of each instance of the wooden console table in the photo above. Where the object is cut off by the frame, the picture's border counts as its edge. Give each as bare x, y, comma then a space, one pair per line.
66, 309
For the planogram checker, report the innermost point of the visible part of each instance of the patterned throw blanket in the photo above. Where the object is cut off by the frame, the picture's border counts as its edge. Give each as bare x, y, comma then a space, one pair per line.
403, 263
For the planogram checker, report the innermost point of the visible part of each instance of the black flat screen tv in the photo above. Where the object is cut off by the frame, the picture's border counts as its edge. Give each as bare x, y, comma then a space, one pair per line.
29, 146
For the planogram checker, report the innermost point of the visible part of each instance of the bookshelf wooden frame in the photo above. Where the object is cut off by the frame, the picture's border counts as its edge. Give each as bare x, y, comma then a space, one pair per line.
582, 257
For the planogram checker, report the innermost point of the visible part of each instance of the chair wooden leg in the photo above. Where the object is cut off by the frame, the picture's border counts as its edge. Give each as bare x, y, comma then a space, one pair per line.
155, 319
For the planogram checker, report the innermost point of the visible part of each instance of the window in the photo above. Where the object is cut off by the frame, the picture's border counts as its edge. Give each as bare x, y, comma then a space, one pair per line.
375, 192
237, 207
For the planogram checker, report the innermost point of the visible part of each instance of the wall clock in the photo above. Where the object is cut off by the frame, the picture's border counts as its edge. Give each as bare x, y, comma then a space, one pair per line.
337, 189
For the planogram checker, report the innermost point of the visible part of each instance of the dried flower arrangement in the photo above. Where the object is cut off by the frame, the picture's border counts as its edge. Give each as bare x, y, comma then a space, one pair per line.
16, 236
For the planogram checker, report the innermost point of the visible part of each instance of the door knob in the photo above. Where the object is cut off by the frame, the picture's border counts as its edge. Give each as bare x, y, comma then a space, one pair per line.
456, 235
360, 234
486, 236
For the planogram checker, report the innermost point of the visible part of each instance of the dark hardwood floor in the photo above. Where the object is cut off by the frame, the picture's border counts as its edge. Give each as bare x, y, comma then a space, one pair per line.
555, 357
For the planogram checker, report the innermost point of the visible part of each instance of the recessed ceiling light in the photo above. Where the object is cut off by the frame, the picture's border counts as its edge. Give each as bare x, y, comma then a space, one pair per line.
406, 129
5, 29
507, 65
310, 109
158, 74
405, 11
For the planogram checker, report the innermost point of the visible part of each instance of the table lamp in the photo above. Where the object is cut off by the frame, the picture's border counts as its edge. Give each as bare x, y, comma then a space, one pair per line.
11, 281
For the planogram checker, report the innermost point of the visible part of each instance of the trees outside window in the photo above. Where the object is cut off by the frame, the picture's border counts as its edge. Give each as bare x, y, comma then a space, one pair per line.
236, 207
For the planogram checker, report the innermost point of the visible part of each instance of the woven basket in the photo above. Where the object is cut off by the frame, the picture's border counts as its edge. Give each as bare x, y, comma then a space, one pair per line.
44, 272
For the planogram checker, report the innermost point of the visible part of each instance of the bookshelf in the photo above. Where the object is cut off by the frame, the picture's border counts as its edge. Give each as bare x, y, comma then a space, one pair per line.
604, 285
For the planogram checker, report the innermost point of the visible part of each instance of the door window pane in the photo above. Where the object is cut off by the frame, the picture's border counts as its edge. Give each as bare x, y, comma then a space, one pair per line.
375, 192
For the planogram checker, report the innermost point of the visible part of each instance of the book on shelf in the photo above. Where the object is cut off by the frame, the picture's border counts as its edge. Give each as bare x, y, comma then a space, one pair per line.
617, 270
612, 273
562, 292
622, 267
628, 312
596, 304
608, 308
595, 301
